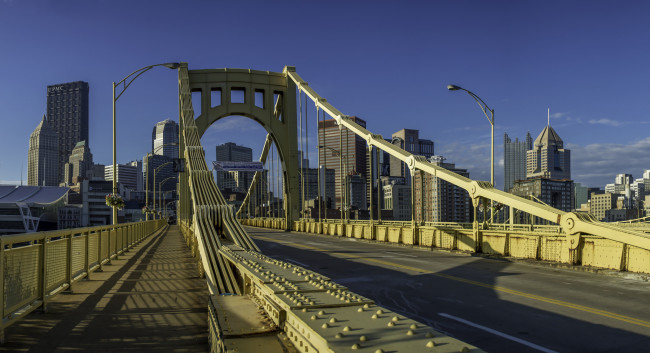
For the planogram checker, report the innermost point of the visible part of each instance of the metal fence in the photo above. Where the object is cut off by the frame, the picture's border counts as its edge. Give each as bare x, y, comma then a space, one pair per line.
37, 266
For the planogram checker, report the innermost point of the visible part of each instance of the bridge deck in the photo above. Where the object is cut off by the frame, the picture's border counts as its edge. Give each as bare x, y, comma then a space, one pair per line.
150, 299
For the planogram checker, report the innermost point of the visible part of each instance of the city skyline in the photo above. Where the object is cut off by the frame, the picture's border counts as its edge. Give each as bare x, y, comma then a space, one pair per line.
585, 63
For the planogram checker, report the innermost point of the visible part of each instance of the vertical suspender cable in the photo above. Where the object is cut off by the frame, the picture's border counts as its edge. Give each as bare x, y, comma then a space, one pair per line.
341, 186
268, 187
306, 177
272, 193
302, 152
278, 183
321, 127
379, 199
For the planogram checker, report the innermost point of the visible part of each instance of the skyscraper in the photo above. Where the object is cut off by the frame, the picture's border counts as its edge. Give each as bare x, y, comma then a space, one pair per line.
437, 200
67, 112
164, 135
341, 147
128, 175
230, 152
238, 181
548, 158
514, 159
409, 140
43, 156
80, 163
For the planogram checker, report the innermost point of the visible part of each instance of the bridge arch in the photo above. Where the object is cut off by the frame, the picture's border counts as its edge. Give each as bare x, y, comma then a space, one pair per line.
269, 98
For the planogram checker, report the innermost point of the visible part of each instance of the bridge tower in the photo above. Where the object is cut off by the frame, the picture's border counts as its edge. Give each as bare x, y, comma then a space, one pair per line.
269, 98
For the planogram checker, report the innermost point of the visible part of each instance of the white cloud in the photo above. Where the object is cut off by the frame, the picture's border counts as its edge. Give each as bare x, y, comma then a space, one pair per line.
10, 182
605, 122
567, 117
597, 164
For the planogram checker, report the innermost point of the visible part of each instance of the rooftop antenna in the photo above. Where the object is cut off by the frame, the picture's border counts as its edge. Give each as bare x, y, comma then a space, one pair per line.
548, 121
21, 174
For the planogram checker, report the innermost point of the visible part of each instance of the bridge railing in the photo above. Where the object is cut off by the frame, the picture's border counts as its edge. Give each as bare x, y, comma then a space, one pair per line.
575, 225
535, 242
36, 266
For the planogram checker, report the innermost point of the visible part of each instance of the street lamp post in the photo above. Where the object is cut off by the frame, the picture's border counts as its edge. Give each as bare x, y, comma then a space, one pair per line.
125, 83
484, 107
146, 202
160, 193
154, 182
345, 207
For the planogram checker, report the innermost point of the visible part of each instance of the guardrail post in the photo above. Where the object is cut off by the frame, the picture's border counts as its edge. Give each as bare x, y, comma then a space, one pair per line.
108, 245
68, 272
99, 251
87, 257
43, 280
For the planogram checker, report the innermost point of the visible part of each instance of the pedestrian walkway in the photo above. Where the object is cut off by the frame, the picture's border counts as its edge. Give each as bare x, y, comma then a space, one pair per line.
150, 299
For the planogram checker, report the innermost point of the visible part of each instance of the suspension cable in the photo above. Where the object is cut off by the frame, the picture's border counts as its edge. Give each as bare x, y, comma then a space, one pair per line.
302, 151
307, 150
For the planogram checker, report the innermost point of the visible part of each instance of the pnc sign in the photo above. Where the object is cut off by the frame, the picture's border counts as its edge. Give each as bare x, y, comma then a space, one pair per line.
54, 89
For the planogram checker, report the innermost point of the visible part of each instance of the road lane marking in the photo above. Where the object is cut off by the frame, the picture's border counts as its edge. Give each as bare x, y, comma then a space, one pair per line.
599, 312
500, 334
400, 254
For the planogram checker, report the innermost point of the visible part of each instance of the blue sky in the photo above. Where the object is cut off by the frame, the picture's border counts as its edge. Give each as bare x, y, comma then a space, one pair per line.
387, 62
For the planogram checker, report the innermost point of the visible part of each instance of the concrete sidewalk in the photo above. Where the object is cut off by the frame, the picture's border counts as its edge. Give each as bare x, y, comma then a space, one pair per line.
150, 299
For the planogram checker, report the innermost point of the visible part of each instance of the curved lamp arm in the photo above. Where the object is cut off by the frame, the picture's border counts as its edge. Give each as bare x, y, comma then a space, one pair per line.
484, 107
126, 82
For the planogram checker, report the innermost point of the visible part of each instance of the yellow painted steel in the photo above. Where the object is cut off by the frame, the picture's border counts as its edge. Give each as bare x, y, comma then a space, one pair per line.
36, 266
294, 298
572, 223
536, 242
575, 227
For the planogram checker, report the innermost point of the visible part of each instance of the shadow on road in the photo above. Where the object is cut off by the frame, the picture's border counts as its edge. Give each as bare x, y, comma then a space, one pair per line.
464, 291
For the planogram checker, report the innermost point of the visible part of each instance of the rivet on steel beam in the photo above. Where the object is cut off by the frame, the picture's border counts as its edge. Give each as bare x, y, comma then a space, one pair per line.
338, 335
363, 338
360, 310
356, 346
333, 320
313, 317
304, 310
379, 312
325, 325
321, 312
464, 350
347, 328
366, 306
374, 316
413, 326
410, 333
395, 318
391, 324
379, 351
430, 344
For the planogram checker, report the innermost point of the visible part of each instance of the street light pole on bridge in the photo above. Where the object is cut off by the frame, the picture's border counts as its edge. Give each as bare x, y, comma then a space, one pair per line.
125, 83
490, 118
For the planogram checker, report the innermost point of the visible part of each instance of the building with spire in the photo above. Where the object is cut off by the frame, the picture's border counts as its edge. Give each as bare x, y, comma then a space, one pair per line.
43, 156
548, 158
548, 174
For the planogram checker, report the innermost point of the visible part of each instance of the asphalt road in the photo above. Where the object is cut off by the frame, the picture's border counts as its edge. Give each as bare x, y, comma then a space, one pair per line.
497, 305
